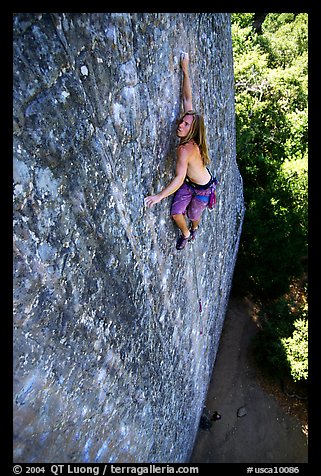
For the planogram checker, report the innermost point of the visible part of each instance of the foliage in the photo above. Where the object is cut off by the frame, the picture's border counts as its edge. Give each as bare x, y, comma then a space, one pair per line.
272, 146
282, 344
271, 98
296, 348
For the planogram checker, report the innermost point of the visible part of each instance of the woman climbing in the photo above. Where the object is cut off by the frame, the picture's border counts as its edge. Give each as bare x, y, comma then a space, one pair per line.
193, 184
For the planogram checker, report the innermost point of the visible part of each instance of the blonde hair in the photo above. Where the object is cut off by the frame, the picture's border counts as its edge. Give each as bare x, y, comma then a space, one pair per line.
197, 134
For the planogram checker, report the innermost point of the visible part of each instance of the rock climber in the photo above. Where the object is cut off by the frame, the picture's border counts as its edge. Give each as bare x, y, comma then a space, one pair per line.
193, 184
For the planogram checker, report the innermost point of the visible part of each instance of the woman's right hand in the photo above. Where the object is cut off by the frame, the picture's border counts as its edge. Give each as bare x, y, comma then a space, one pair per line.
152, 200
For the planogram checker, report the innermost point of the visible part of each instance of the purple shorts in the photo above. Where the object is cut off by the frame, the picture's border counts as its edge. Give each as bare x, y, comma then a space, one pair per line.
191, 201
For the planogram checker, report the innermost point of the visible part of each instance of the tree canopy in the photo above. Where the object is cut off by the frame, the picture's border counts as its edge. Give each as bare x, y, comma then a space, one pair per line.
271, 100
272, 149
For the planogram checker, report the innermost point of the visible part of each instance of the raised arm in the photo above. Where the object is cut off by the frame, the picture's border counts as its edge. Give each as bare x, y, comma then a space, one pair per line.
187, 90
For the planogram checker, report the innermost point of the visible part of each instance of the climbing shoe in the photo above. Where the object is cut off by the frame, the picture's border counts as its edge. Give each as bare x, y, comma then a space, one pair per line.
181, 242
193, 233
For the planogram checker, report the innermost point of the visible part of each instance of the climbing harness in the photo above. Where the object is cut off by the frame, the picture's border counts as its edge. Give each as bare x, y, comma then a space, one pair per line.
210, 199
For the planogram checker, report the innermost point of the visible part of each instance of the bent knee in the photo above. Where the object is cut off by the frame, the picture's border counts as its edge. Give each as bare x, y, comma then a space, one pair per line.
195, 216
176, 216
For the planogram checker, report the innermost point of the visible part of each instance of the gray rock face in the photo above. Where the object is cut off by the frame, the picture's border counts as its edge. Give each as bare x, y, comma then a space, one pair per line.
112, 357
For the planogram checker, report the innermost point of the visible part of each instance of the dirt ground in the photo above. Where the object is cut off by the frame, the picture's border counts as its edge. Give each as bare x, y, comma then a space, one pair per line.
259, 423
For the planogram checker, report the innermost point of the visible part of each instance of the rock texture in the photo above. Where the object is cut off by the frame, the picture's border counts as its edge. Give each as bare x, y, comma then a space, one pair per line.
112, 358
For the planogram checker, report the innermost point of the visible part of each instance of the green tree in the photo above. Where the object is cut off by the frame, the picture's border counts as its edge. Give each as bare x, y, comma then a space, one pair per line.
271, 90
271, 122
296, 348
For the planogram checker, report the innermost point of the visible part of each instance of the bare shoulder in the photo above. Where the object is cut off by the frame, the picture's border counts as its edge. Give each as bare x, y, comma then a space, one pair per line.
188, 148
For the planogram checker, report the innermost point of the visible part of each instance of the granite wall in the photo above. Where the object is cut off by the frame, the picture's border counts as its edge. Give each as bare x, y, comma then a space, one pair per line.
112, 358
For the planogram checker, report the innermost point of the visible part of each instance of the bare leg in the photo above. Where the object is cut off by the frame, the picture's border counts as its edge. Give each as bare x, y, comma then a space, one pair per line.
180, 221
195, 224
